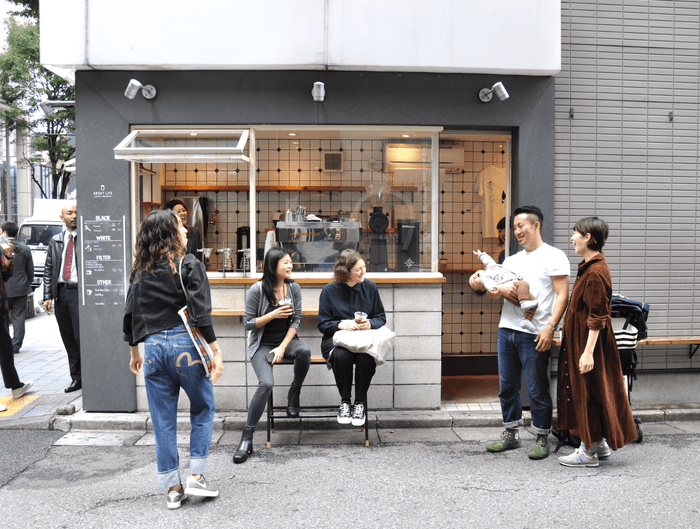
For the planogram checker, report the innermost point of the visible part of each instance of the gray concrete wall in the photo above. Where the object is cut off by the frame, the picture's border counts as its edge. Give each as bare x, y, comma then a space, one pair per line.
410, 378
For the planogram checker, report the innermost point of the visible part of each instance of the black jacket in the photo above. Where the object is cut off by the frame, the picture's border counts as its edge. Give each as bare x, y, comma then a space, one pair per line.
21, 282
52, 266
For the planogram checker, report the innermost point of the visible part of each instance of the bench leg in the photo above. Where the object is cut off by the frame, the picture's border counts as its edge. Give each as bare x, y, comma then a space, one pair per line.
270, 420
366, 426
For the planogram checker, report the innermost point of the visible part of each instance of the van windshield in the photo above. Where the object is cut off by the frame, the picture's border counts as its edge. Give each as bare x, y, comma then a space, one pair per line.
38, 234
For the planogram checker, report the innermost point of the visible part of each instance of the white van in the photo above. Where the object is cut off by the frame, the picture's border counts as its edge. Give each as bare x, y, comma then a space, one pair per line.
37, 230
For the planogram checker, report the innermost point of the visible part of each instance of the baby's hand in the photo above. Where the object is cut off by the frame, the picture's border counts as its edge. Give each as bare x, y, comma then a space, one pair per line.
494, 290
477, 251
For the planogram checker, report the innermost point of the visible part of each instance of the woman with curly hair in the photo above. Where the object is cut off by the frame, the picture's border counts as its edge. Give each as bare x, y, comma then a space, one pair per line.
170, 360
350, 292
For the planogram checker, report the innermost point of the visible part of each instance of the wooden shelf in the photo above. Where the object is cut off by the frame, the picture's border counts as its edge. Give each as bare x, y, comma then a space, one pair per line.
411, 189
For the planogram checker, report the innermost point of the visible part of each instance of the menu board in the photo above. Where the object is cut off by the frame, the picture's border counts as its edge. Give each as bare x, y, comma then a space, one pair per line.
103, 275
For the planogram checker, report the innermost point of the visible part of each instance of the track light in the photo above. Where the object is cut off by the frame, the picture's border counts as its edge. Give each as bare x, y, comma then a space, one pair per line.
149, 91
486, 94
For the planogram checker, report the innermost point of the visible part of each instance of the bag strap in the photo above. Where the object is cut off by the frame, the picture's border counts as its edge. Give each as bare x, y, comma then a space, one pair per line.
184, 290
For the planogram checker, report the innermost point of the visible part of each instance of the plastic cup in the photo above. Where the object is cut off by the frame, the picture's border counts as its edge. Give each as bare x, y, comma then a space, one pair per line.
360, 317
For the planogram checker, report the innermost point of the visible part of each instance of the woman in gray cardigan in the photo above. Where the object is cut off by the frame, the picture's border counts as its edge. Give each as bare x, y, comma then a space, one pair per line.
272, 317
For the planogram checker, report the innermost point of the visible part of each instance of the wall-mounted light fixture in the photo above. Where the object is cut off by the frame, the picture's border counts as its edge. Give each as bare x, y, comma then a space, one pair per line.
486, 94
51, 107
318, 91
149, 91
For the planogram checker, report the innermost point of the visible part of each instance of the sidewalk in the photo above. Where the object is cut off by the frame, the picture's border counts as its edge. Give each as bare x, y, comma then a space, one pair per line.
47, 406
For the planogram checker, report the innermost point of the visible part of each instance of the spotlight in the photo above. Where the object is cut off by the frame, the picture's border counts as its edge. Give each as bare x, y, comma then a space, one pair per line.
486, 94
148, 91
319, 91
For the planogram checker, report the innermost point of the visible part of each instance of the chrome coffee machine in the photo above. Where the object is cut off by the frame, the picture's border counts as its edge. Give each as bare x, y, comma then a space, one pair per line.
314, 246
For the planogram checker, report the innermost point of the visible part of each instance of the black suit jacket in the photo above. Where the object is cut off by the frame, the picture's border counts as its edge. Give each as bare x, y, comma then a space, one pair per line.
21, 282
52, 266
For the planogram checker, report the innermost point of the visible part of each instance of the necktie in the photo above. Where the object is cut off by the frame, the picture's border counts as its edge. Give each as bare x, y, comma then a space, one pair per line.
69, 259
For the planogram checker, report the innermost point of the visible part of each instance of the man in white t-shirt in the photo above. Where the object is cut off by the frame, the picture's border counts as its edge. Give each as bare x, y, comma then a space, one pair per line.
547, 270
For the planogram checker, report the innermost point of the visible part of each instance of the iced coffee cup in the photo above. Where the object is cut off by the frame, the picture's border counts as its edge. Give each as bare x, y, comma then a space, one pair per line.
360, 317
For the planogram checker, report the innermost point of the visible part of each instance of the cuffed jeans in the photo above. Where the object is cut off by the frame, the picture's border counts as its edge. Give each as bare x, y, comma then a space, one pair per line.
297, 351
171, 362
516, 352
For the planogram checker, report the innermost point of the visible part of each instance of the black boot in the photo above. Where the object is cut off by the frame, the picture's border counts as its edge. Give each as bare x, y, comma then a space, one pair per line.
293, 400
246, 446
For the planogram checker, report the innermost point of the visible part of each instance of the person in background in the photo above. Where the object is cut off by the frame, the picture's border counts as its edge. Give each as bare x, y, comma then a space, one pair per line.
272, 317
547, 270
592, 400
7, 358
170, 360
194, 238
350, 292
501, 227
19, 287
61, 285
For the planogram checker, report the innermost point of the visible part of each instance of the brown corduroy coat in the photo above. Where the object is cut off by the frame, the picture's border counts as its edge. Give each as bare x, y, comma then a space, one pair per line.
596, 403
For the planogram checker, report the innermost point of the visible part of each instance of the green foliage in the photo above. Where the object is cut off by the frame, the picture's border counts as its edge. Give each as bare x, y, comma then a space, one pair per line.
26, 8
24, 83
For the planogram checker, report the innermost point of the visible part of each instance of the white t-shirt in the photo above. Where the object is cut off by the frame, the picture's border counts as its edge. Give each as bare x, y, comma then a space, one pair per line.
537, 268
491, 186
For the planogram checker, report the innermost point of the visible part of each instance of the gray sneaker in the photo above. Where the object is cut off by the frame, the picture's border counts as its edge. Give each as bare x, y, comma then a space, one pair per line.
198, 487
509, 440
580, 458
604, 451
175, 498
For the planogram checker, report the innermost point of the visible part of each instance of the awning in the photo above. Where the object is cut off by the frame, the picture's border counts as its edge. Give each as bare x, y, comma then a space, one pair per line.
184, 146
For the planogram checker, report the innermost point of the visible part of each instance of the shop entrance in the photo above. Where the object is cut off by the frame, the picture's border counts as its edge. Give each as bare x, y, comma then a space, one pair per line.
474, 197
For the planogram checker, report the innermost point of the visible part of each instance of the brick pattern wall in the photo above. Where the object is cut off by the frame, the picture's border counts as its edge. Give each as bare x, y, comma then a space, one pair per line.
627, 113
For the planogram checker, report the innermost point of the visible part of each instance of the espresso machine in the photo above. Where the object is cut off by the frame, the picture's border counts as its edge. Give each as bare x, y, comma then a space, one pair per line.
378, 189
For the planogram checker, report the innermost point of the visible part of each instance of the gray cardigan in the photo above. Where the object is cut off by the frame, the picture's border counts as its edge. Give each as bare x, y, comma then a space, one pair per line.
256, 305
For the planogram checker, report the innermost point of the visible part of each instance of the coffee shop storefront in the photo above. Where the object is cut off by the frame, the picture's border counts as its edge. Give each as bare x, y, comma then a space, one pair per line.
388, 170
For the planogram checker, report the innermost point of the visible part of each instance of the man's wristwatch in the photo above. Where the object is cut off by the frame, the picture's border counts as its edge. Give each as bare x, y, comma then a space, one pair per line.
555, 326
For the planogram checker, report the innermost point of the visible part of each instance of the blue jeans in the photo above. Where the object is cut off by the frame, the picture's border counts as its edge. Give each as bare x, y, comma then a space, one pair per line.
170, 363
516, 352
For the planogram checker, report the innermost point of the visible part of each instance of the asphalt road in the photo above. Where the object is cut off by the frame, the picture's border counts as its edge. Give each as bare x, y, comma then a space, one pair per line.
414, 484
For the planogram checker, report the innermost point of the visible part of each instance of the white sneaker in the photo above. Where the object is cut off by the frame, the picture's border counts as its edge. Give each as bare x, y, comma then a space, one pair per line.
579, 459
358, 414
3, 408
604, 451
17, 393
194, 487
344, 414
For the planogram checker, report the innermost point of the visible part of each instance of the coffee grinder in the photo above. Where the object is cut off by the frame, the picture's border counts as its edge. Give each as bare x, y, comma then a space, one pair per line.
378, 189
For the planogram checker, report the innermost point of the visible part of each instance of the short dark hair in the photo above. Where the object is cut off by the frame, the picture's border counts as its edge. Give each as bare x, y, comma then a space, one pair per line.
176, 202
344, 263
530, 211
10, 228
598, 230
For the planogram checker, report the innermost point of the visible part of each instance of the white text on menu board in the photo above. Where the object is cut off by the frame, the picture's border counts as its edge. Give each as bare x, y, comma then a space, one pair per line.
104, 261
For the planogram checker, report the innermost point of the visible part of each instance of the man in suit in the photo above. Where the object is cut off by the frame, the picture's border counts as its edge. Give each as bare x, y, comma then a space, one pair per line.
61, 286
19, 286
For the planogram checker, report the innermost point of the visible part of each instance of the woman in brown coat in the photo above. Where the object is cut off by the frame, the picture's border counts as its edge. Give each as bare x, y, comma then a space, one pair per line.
591, 394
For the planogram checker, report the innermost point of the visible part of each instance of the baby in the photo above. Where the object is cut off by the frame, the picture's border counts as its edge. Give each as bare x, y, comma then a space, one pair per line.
498, 279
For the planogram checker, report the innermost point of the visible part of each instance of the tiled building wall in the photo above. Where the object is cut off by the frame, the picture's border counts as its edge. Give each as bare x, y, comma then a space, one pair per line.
627, 129
469, 322
289, 163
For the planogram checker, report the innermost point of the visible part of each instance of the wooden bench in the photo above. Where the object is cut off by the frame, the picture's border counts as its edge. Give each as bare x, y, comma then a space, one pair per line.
693, 342
241, 312
320, 412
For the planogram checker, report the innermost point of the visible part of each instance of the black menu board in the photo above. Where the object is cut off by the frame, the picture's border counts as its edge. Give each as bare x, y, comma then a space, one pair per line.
103, 278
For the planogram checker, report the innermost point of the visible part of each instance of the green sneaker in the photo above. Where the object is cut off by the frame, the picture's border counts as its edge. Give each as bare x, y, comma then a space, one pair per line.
541, 448
510, 439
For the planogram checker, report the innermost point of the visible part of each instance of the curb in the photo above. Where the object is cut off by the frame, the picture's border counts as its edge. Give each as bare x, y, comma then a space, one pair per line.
140, 421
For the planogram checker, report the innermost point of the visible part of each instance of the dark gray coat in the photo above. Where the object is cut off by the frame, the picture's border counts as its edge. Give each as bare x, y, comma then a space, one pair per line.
23, 273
